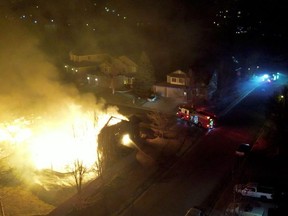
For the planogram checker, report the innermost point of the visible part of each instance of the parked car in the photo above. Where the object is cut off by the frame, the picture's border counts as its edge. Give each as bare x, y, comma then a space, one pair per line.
255, 190
243, 150
245, 209
195, 211
152, 97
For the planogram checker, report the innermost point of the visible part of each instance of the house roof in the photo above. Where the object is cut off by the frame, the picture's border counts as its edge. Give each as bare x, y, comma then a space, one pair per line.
127, 61
104, 60
165, 84
178, 73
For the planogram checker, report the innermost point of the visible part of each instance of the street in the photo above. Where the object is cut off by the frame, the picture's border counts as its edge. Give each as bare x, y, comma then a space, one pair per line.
202, 173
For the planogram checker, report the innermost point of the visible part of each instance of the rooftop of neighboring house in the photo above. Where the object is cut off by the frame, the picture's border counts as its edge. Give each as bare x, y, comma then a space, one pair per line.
86, 60
179, 74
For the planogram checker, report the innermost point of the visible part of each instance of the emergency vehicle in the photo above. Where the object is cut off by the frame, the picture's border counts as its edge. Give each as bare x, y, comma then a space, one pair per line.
194, 117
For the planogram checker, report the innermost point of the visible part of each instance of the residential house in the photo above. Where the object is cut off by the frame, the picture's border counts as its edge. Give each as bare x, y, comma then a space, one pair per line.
179, 85
101, 70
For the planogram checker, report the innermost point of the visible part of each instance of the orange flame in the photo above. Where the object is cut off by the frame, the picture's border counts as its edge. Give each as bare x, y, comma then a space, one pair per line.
54, 143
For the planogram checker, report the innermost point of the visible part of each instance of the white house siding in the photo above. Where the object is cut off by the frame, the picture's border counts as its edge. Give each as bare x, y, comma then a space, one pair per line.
176, 80
160, 90
175, 92
171, 92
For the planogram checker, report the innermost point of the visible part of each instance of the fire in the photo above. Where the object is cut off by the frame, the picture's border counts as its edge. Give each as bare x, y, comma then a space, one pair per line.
56, 141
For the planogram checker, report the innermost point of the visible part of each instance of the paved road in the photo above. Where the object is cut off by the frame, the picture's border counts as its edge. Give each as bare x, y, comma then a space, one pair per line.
99, 198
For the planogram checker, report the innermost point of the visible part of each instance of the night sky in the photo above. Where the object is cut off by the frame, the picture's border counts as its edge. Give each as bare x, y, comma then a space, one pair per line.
175, 34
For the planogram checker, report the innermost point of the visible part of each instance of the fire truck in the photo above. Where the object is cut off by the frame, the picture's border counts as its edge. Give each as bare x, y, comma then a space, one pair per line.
196, 117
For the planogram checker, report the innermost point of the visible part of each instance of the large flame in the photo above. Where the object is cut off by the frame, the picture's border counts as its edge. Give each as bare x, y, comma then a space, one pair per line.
56, 141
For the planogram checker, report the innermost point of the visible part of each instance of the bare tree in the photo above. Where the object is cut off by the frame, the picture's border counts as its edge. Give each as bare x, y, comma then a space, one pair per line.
113, 67
159, 122
99, 164
79, 170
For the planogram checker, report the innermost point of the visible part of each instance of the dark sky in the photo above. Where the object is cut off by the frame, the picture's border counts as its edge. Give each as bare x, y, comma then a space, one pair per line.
175, 34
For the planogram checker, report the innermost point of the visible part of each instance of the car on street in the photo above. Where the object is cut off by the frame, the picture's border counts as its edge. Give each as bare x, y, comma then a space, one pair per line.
152, 97
244, 209
243, 150
255, 190
195, 211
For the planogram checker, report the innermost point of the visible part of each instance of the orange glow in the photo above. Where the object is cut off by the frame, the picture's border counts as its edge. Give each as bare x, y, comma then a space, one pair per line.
55, 141
126, 141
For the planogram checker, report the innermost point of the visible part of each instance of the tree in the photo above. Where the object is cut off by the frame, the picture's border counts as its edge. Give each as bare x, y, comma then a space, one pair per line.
159, 122
212, 86
277, 111
99, 164
79, 170
145, 76
113, 67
